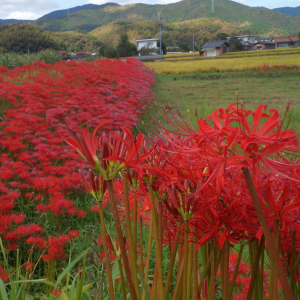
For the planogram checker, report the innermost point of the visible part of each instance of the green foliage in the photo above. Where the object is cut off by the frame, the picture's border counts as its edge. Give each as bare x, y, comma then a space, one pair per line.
102, 49
184, 47
14, 60
299, 36
163, 46
110, 52
23, 37
235, 44
221, 36
125, 48
75, 41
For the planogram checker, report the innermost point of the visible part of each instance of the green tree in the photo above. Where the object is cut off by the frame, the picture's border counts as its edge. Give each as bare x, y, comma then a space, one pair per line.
110, 52
102, 49
234, 43
299, 37
21, 37
125, 48
163, 46
184, 47
221, 36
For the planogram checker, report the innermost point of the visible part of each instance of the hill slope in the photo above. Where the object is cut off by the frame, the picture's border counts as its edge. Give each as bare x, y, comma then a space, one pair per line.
13, 21
254, 19
173, 34
64, 12
289, 10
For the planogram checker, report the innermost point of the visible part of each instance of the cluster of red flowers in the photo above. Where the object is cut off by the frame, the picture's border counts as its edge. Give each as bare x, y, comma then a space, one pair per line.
197, 175
43, 104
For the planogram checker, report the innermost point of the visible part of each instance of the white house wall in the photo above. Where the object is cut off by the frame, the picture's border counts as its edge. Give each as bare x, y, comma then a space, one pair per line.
152, 44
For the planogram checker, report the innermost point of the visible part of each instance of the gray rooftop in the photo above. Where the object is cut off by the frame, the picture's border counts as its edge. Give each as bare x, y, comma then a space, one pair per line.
215, 44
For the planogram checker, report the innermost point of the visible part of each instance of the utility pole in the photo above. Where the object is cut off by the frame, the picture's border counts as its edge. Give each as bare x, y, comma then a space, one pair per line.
159, 34
212, 6
193, 44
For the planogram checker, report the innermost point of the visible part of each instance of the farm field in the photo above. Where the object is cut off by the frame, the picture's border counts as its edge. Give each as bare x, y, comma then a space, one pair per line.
221, 64
208, 91
189, 56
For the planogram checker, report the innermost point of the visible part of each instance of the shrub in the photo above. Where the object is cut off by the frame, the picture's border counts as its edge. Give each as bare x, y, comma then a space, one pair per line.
102, 49
110, 52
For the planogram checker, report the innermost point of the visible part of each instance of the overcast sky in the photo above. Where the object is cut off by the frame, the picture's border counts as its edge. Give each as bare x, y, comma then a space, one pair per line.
33, 9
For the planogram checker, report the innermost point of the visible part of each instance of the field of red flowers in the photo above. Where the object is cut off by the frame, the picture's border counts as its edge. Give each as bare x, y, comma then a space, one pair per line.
41, 105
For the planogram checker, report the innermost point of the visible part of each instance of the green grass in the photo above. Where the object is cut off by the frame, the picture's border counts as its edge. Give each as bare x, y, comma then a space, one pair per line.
209, 91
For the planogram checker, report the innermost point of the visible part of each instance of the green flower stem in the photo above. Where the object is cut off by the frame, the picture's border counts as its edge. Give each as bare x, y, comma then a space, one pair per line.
114, 208
275, 274
268, 235
205, 271
122, 280
148, 254
132, 261
141, 247
178, 279
172, 259
135, 229
261, 283
235, 273
185, 258
225, 271
255, 268
189, 274
195, 266
154, 284
102, 221
293, 283
212, 271
158, 253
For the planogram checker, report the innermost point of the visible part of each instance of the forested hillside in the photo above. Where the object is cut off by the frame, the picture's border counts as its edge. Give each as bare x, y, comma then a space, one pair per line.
259, 20
173, 34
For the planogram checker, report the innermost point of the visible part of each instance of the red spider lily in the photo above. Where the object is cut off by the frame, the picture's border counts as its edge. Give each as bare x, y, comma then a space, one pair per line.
97, 187
114, 246
86, 146
131, 156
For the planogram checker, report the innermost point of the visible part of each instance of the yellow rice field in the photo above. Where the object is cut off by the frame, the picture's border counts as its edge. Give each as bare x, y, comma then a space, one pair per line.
221, 64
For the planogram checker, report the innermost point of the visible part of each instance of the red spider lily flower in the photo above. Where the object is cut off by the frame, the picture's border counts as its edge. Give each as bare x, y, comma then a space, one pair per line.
131, 155
97, 186
86, 146
73, 234
114, 246
185, 203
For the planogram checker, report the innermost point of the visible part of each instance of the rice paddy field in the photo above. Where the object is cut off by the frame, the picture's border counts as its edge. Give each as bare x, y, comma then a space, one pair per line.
222, 64
208, 91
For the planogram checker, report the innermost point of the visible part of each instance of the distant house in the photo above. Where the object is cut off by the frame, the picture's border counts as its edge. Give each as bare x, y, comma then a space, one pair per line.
261, 39
215, 48
286, 41
247, 38
264, 45
148, 43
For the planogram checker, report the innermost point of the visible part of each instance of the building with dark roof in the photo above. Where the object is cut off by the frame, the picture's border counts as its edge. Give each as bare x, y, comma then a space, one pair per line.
264, 45
286, 41
215, 48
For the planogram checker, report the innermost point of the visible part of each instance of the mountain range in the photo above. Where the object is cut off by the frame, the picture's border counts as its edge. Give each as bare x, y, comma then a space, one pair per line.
255, 20
289, 10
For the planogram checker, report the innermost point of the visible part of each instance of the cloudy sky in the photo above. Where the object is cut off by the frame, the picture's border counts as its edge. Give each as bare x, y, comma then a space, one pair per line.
33, 9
